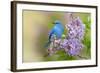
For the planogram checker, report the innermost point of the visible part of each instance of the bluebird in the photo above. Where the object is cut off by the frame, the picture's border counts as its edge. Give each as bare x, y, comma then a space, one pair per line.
57, 31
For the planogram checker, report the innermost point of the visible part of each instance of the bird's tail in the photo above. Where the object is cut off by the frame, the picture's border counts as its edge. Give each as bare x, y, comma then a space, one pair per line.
47, 44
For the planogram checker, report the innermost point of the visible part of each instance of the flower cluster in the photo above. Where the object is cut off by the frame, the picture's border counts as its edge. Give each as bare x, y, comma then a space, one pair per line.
72, 44
75, 29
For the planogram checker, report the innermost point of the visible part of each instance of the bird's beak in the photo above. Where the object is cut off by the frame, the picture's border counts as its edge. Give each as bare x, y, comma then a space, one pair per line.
53, 23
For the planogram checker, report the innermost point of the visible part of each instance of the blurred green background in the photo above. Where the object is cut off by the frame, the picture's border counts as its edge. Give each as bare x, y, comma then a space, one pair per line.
36, 26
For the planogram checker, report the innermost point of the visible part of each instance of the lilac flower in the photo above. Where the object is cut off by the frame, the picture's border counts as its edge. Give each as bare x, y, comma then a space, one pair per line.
72, 46
75, 29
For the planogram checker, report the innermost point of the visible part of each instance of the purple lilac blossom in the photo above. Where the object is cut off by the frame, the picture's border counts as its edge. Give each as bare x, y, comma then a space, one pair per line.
73, 45
76, 29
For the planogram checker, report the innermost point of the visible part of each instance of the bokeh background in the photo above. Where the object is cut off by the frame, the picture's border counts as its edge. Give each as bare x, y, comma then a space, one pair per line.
36, 26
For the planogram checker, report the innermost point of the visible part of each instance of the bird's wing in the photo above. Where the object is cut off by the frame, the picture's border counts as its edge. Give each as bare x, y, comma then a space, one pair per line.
51, 33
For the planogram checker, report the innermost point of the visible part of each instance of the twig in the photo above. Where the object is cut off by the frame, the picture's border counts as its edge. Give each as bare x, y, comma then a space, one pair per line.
82, 57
